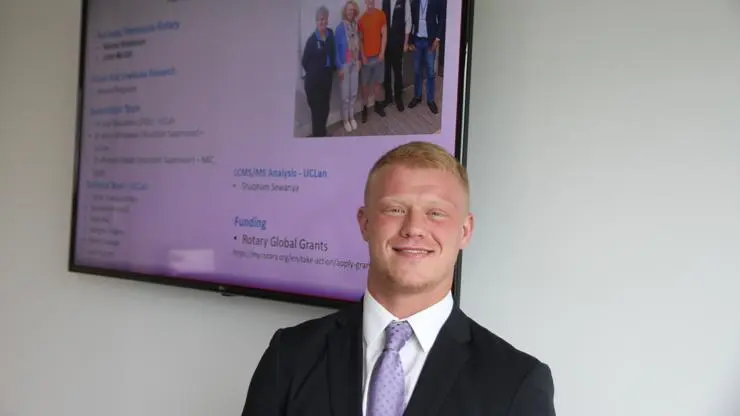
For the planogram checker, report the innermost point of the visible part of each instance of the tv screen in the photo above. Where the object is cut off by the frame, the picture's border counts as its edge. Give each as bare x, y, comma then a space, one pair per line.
224, 144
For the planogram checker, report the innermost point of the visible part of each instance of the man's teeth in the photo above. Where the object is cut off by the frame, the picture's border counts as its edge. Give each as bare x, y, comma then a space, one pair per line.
414, 251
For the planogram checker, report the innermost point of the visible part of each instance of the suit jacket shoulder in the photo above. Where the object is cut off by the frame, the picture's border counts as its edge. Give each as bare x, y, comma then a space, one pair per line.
522, 382
292, 377
308, 338
491, 347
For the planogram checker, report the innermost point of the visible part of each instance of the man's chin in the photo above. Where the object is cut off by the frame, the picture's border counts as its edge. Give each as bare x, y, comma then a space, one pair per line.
411, 283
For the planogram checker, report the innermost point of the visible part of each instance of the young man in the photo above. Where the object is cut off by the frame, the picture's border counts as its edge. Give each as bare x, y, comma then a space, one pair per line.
428, 19
398, 13
373, 37
406, 348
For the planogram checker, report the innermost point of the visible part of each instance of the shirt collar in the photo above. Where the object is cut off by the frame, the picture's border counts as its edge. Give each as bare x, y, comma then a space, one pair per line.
426, 324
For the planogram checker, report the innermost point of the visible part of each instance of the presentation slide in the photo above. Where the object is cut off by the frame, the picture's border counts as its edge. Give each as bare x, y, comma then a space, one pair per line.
228, 141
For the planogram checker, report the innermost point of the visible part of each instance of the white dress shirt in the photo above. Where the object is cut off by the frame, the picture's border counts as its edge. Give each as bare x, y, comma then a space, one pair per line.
425, 324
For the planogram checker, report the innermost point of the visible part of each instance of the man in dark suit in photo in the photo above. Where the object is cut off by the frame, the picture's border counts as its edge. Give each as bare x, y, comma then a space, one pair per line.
406, 348
428, 22
398, 13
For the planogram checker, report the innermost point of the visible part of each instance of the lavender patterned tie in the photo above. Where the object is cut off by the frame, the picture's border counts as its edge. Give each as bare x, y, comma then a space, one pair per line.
386, 393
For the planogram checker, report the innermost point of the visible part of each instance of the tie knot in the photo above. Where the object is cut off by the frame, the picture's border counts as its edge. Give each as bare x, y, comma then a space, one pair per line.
396, 335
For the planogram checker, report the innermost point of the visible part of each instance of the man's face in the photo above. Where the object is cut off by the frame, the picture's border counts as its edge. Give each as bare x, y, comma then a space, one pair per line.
415, 222
321, 22
370, 4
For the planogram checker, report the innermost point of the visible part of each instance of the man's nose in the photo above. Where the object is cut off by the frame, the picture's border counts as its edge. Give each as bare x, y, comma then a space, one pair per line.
413, 224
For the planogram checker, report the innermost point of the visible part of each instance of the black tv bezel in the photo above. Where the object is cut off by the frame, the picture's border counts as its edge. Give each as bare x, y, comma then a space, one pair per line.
461, 143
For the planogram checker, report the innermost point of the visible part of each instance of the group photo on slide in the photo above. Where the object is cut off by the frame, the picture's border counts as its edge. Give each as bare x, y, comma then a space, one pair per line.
370, 67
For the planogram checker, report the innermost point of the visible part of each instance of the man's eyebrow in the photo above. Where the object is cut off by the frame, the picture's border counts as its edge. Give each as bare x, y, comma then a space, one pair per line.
424, 200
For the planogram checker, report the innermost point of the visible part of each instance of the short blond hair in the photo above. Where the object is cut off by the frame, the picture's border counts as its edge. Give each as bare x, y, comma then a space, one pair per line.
420, 155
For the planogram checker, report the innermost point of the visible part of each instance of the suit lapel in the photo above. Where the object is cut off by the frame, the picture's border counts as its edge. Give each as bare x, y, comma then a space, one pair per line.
344, 354
446, 358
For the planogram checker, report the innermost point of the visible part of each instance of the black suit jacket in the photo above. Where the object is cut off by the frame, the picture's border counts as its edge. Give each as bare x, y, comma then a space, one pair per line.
436, 18
315, 368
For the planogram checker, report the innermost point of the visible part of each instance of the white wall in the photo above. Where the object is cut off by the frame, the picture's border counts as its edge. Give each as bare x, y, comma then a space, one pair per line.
605, 157
605, 162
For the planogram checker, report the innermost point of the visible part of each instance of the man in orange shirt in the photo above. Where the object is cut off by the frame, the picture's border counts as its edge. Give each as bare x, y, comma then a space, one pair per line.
373, 31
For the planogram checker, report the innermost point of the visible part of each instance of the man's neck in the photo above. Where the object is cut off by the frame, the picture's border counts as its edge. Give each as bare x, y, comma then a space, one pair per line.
404, 305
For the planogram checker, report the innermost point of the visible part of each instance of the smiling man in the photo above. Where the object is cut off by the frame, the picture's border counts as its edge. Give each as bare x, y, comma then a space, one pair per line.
406, 349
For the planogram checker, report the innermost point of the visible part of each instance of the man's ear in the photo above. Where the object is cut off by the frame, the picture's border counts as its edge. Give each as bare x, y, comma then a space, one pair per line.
467, 230
362, 220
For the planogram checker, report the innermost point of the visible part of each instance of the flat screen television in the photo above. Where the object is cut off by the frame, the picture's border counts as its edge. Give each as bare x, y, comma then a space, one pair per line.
220, 148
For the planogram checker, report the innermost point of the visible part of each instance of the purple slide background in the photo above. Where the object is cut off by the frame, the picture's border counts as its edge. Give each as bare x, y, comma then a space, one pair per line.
234, 81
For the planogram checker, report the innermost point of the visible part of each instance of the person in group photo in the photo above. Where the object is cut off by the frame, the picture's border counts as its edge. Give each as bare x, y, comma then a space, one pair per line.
428, 28
398, 14
373, 38
347, 40
319, 63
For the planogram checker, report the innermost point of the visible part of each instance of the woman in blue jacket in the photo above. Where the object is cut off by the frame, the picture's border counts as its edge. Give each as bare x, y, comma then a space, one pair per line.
319, 63
348, 62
